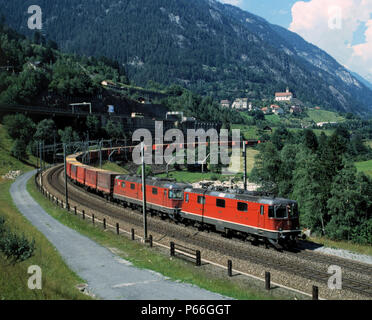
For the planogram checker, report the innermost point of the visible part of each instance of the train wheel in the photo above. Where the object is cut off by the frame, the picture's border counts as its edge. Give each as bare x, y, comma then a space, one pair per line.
255, 241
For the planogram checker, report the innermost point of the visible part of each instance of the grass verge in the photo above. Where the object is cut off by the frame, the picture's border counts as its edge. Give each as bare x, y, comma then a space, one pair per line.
144, 257
58, 281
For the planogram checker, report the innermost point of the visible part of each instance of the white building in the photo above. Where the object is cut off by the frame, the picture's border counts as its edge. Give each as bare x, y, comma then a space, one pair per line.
240, 104
225, 103
284, 96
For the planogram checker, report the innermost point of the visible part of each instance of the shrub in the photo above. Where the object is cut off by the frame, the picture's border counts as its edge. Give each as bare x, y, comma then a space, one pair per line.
16, 248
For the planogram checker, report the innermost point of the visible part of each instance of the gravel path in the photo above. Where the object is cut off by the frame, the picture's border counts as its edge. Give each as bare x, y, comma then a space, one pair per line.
108, 276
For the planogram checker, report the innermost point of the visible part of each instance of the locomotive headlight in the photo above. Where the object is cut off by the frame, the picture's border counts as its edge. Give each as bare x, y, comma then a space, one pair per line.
280, 229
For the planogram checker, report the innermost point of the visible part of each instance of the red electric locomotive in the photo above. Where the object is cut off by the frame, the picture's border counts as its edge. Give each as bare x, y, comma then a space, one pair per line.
244, 214
162, 195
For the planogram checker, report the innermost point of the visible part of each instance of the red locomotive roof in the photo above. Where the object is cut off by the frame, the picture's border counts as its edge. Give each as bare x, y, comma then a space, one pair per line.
153, 181
242, 195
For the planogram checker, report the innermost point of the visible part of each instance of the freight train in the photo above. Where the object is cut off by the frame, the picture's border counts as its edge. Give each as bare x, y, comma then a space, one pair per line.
234, 213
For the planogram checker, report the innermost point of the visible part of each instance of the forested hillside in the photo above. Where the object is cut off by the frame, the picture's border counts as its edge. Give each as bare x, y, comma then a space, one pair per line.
34, 71
208, 47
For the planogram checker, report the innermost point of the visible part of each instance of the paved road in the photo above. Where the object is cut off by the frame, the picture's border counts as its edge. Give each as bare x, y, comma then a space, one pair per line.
108, 276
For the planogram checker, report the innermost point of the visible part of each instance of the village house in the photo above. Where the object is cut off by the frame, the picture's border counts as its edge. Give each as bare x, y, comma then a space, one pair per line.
240, 104
321, 124
277, 111
284, 96
265, 110
225, 103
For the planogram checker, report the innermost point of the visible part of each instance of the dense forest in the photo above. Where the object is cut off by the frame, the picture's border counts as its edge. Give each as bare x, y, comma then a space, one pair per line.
210, 48
319, 173
34, 71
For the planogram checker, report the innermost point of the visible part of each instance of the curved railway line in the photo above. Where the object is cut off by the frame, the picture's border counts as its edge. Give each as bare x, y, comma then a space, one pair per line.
309, 266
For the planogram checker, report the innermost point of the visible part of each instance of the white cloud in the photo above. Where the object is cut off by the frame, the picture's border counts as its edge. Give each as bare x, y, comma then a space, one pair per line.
331, 24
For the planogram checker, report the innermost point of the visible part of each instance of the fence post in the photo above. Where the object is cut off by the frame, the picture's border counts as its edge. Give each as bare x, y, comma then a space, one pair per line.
172, 249
229, 268
267, 280
315, 293
75, 211
198, 258
117, 229
132, 234
83, 214
93, 218
104, 223
150, 240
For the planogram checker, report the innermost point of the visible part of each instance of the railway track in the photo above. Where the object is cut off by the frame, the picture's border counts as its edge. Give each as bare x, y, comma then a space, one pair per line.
304, 264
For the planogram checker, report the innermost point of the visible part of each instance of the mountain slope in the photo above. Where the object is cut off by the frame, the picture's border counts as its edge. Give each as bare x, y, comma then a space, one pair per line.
212, 48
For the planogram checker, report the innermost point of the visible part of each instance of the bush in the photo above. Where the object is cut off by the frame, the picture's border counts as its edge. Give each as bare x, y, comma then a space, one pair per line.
14, 247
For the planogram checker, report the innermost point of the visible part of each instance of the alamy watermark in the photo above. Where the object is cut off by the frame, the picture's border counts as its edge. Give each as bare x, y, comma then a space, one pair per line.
35, 21
199, 147
335, 281
34, 282
335, 18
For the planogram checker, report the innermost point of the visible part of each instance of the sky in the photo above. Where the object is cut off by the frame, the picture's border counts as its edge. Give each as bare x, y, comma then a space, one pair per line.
343, 28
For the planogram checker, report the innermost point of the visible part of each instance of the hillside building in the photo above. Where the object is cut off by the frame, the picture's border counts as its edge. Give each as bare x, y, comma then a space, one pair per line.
225, 103
284, 96
240, 104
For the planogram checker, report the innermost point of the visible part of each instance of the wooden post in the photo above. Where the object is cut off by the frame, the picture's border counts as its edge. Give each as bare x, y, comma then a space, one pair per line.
93, 218
267, 281
150, 240
133, 236
172, 249
198, 258
229, 268
117, 229
315, 293
83, 214
75, 211
104, 223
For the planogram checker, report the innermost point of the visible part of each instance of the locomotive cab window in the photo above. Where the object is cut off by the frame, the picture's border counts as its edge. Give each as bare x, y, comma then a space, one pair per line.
187, 197
294, 212
281, 212
201, 200
220, 203
175, 194
132, 186
123, 184
271, 212
243, 207
154, 191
